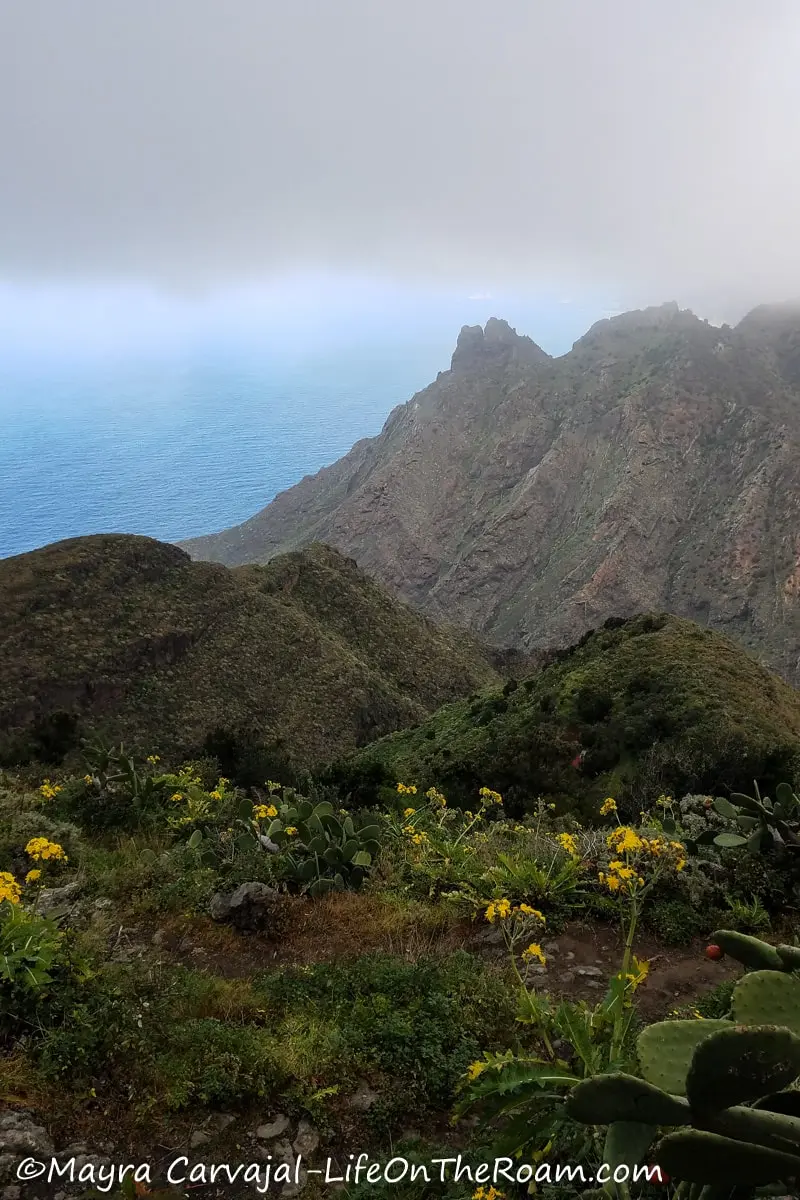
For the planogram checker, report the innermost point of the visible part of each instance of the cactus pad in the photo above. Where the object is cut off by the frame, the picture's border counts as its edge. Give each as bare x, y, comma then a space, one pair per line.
665, 1051
749, 951
790, 957
777, 1131
767, 998
623, 1098
700, 1157
627, 1142
740, 1064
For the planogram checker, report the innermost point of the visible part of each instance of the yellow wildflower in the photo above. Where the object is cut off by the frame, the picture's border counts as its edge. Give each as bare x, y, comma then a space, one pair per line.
435, 797
9, 888
640, 969
408, 812
40, 849
567, 842
153, 759
532, 912
498, 909
262, 811
534, 951
475, 1069
612, 882
609, 805
406, 789
87, 779
419, 838
33, 876
48, 790
176, 797
624, 839
490, 797
215, 795
290, 830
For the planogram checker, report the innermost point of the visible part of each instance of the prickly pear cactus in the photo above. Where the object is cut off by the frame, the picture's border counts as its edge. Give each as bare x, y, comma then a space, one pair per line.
767, 998
701, 1157
621, 1097
737, 1066
665, 1051
749, 951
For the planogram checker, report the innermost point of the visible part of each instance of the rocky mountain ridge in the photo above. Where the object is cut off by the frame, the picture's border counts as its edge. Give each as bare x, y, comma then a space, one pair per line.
656, 466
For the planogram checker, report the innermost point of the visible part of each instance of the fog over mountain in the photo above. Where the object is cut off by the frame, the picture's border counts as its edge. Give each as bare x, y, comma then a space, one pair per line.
194, 144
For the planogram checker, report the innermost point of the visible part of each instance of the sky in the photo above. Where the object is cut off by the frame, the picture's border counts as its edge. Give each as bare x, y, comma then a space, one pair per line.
188, 154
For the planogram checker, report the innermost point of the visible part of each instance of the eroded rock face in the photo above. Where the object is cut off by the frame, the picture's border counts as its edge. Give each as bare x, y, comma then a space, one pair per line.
654, 467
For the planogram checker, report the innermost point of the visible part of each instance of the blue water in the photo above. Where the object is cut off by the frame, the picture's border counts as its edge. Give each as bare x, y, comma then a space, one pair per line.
177, 448
186, 433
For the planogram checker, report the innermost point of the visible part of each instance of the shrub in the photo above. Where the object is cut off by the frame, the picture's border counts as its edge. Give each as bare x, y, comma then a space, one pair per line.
35, 968
675, 921
418, 1025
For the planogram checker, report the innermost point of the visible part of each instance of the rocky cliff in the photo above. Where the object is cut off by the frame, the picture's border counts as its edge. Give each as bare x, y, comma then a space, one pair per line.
654, 466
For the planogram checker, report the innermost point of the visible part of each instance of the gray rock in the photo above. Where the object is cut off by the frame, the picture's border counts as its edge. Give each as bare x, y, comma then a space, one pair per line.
20, 1137
220, 1121
364, 1097
273, 1129
253, 906
199, 1138
51, 899
306, 1139
594, 971
12, 1192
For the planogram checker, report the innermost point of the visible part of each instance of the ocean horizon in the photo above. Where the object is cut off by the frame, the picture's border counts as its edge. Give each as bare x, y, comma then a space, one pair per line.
176, 436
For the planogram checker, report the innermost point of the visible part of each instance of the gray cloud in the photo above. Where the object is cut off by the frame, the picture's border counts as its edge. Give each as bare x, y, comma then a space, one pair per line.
649, 145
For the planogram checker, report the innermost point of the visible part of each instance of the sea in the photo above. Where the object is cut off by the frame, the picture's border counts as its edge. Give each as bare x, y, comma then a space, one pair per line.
176, 438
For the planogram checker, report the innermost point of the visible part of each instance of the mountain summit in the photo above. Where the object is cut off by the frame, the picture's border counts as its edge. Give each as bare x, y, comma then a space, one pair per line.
656, 466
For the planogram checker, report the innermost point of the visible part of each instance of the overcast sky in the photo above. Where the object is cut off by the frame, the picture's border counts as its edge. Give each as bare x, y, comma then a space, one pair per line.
647, 147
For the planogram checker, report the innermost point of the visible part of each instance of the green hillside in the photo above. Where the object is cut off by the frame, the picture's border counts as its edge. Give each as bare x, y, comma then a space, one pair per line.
655, 703
127, 636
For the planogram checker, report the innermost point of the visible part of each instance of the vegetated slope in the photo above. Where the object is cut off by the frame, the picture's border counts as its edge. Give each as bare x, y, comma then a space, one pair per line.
656, 466
655, 703
129, 635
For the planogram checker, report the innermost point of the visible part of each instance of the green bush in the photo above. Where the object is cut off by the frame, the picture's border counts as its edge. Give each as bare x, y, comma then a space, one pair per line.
215, 1063
417, 1025
675, 921
36, 969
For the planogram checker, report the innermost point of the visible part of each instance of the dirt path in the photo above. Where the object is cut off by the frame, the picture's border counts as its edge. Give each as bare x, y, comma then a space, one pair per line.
579, 960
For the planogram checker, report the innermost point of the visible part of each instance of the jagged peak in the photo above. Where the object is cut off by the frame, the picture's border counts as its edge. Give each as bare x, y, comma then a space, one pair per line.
496, 341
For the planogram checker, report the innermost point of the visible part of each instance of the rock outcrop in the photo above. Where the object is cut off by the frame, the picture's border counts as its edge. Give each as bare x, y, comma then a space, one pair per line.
654, 466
